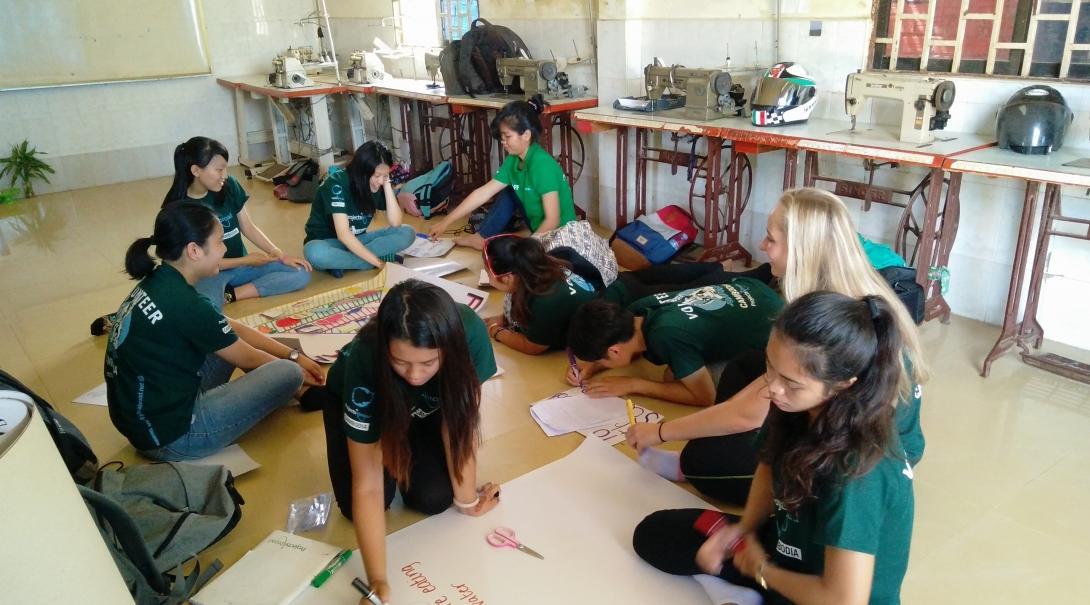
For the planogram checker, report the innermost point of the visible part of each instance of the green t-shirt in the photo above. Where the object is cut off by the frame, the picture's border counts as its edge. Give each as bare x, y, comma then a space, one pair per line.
538, 175
163, 332
871, 514
617, 292
352, 379
234, 198
907, 421
690, 329
551, 312
335, 197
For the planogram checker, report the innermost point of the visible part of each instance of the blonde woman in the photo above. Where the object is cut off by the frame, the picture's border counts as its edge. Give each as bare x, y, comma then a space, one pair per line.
812, 245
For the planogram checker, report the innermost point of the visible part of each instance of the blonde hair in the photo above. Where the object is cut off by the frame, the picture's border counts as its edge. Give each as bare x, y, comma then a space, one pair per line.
824, 253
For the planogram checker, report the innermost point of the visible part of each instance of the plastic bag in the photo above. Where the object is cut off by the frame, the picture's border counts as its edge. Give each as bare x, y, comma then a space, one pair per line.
306, 514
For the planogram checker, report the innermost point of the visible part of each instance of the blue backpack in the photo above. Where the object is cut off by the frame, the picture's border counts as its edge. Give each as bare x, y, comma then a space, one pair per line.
432, 189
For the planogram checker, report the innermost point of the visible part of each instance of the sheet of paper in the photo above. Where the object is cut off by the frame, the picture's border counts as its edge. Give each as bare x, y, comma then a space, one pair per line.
436, 267
578, 512
425, 248
96, 396
471, 297
571, 410
613, 433
233, 457
322, 348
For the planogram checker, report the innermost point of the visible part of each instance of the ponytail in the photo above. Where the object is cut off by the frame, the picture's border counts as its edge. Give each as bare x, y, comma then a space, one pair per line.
521, 116
176, 226
138, 263
525, 258
836, 339
197, 151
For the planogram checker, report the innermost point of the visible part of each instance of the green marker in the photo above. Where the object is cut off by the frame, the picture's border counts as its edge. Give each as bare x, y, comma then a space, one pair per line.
331, 568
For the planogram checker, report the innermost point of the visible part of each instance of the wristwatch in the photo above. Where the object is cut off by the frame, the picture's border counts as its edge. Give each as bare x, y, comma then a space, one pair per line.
294, 355
760, 575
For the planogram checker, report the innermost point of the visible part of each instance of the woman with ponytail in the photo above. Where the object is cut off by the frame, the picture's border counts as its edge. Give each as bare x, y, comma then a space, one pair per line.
402, 412
829, 515
171, 352
529, 184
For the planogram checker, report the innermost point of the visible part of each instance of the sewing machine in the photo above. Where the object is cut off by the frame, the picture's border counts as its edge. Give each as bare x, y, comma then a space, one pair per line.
536, 76
925, 101
365, 67
288, 72
432, 66
709, 93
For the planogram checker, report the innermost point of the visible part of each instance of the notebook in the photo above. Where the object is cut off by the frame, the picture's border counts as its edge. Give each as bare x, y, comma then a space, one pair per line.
275, 572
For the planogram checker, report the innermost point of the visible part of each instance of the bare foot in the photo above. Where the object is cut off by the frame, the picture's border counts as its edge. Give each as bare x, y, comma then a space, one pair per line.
474, 241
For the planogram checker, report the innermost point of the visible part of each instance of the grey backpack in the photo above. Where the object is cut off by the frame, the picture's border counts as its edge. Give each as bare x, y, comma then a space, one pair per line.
156, 518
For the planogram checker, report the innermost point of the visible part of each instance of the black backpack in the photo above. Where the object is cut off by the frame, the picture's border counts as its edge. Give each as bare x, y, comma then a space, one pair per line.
75, 451
477, 53
903, 282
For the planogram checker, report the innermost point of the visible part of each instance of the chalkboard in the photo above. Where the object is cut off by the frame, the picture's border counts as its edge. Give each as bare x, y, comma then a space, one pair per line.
62, 42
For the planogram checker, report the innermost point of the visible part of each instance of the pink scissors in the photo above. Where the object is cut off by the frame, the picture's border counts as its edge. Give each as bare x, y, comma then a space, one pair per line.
505, 536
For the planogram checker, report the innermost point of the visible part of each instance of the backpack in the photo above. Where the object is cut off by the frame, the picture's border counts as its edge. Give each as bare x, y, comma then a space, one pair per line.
448, 66
475, 69
71, 444
653, 239
432, 189
903, 282
156, 518
299, 183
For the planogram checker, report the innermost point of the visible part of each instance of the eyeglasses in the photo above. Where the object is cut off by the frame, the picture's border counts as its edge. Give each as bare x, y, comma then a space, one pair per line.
488, 259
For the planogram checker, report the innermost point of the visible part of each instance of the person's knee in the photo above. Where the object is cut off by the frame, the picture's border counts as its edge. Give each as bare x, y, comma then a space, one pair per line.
406, 235
297, 279
288, 373
649, 536
430, 501
312, 251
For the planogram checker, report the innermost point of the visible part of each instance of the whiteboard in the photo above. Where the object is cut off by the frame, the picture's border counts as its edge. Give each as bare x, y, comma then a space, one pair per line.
61, 42
578, 512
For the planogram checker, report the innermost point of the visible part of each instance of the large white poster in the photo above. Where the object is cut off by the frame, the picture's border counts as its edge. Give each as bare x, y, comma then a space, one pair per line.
578, 512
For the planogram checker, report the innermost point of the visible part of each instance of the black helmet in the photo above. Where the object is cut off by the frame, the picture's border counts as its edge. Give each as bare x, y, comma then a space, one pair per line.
1034, 121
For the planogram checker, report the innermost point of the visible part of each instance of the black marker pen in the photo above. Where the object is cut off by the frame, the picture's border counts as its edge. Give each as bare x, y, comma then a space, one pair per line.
366, 591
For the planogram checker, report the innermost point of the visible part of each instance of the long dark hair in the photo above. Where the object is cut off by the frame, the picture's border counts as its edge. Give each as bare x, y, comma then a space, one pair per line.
197, 151
836, 338
176, 226
367, 158
426, 317
537, 272
521, 116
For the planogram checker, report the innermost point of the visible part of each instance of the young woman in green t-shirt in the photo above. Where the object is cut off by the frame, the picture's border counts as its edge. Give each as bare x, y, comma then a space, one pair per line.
171, 352
337, 238
402, 411
529, 183
829, 515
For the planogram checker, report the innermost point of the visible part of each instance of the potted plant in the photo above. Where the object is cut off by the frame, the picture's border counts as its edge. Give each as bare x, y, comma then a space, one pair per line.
23, 167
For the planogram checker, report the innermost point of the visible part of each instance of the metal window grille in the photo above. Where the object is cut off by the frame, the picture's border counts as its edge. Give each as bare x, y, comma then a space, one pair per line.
456, 16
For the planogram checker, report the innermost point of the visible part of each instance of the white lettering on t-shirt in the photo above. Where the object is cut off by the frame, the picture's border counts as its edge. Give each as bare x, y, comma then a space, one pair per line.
788, 551
229, 234
337, 204
149, 309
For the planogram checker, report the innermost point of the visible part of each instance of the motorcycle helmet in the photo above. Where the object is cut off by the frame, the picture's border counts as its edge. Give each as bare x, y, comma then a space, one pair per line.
1033, 121
786, 94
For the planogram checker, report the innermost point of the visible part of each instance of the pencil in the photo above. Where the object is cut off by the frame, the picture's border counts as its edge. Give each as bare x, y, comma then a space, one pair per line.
631, 412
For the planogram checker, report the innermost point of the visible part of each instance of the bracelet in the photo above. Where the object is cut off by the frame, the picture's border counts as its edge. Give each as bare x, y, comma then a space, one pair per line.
475, 502
760, 575
662, 422
496, 333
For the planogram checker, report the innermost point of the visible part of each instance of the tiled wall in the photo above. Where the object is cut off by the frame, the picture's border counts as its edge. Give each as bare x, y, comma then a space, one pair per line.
108, 133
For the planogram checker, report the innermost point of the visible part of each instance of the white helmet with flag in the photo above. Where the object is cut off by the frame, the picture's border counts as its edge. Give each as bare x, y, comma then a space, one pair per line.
786, 94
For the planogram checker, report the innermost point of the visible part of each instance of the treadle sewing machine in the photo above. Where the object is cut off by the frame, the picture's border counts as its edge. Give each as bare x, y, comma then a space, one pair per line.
925, 101
536, 76
709, 94
288, 72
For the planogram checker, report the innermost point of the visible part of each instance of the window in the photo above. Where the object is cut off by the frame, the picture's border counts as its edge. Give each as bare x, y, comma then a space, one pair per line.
431, 23
456, 16
1028, 38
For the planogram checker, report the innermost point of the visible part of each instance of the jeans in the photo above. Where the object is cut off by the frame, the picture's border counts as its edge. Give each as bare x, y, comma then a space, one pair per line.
224, 410
270, 279
328, 254
504, 209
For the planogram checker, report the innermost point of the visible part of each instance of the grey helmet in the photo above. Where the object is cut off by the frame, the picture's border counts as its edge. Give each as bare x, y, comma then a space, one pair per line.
1033, 121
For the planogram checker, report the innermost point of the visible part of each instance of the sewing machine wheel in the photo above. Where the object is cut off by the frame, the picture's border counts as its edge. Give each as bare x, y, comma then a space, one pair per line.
944, 96
722, 83
578, 150
548, 71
